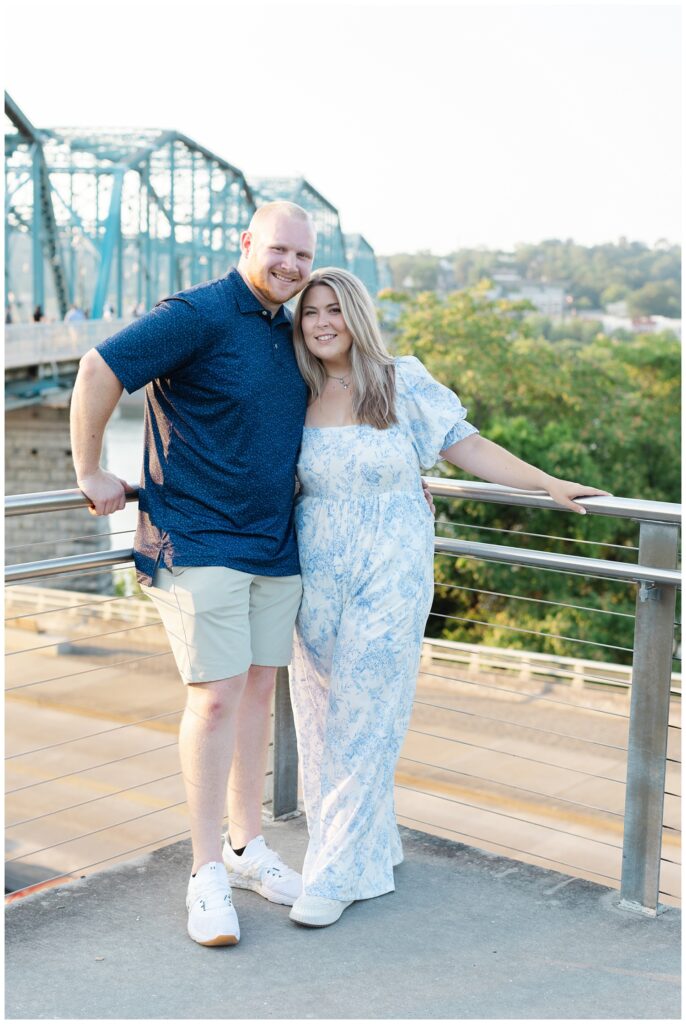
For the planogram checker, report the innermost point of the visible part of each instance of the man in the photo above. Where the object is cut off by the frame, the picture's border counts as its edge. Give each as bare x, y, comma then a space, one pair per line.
74, 314
224, 412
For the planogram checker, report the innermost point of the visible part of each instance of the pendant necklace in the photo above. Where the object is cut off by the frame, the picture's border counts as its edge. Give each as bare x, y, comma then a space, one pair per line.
341, 380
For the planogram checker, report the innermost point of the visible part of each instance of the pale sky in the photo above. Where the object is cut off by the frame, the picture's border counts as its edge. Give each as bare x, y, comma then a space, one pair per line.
429, 126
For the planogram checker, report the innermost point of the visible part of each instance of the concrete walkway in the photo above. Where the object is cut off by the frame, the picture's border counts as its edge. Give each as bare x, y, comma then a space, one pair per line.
466, 935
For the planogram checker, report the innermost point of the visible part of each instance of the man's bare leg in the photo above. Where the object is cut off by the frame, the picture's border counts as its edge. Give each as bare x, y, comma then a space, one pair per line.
246, 781
206, 743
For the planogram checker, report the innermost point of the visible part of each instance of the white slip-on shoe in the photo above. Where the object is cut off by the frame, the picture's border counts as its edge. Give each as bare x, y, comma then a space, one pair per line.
212, 920
262, 870
317, 911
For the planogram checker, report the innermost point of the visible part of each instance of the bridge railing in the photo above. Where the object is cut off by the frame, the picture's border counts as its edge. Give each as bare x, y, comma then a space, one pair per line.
650, 682
45, 344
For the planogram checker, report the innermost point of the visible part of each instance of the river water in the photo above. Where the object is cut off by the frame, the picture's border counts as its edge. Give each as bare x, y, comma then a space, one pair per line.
124, 456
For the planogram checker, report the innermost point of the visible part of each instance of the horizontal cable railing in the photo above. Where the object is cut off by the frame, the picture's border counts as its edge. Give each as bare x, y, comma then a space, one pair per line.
53, 819
527, 533
490, 724
466, 670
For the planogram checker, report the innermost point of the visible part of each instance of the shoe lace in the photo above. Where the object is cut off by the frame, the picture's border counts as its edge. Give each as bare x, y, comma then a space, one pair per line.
215, 901
214, 897
268, 862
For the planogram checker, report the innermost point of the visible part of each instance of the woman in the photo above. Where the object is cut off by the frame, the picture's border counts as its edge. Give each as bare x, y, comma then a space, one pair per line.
365, 537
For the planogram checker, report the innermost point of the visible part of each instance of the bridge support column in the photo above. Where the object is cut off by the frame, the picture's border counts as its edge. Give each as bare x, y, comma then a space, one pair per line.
38, 458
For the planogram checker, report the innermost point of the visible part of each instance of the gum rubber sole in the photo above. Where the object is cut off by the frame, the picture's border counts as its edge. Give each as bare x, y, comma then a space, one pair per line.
218, 940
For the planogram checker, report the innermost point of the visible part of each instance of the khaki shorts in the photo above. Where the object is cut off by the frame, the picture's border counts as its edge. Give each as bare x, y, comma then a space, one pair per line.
221, 621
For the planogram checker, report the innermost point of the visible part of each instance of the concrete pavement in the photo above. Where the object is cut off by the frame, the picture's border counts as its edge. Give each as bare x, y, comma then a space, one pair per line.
466, 935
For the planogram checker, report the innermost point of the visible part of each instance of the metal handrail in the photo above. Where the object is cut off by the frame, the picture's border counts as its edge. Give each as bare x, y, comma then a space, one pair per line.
627, 571
442, 487
646, 511
70, 563
51, 501
622, 508
658, 581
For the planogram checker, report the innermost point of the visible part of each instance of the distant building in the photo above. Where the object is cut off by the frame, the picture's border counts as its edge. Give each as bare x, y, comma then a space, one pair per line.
637, 325
549, 298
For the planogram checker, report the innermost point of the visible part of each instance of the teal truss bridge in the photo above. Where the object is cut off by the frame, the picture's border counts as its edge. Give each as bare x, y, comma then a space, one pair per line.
111, 220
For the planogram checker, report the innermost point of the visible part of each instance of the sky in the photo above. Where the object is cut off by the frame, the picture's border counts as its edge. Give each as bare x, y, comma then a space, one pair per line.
429, 126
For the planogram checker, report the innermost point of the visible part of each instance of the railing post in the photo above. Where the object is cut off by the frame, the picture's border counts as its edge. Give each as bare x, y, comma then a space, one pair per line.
285, 792
649, 716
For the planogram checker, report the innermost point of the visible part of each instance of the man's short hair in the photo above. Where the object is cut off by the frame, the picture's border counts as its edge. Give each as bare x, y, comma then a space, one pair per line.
279, 206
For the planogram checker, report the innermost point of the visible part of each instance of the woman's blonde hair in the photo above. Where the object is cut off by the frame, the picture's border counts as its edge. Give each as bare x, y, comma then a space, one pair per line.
373, 370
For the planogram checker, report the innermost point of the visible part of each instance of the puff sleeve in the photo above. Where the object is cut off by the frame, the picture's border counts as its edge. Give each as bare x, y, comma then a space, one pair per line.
432, 414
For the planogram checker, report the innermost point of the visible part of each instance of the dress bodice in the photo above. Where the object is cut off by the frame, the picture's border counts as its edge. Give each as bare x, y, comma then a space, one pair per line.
347, 462
344, 462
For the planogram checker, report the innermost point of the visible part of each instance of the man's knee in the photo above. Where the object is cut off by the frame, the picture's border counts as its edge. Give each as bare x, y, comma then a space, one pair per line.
216, 701
261, 681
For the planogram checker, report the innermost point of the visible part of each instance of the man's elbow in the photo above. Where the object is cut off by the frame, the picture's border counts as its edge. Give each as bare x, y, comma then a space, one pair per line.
91, 363
94, 372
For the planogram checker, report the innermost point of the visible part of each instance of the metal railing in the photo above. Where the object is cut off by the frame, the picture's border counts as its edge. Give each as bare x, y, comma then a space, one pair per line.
48, 343
657, 580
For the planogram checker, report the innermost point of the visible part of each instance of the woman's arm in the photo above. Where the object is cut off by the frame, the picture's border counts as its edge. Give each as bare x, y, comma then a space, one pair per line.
485, 459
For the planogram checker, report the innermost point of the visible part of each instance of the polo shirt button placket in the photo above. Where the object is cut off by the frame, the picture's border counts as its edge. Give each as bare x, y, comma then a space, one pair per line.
271, 328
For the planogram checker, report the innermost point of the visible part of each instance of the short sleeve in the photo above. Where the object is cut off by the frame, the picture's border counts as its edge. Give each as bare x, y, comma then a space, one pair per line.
431, 413
157, 344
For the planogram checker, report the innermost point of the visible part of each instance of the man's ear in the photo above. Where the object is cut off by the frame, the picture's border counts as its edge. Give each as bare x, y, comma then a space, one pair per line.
246, 243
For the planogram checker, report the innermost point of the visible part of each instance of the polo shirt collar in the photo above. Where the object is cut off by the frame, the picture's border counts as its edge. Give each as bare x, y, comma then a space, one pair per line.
249, 303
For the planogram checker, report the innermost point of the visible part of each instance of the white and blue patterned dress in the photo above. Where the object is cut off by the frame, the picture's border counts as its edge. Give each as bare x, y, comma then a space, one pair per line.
365, 537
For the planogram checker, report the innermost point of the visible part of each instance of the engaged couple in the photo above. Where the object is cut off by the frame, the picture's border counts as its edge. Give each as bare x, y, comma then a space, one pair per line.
242, 399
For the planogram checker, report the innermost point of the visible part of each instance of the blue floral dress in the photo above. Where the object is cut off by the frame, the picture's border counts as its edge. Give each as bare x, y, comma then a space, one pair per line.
365, 537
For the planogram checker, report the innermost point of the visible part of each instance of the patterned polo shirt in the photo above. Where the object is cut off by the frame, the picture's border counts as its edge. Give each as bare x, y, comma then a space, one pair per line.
224, 412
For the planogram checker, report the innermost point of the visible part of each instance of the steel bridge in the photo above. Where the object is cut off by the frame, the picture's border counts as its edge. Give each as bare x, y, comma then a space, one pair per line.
108, 221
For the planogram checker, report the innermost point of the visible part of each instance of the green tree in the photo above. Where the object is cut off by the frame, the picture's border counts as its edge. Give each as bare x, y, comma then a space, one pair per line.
593, 275
656, 298
602, 411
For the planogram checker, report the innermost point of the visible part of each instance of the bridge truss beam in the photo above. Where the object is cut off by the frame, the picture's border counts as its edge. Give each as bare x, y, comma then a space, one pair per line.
140, 213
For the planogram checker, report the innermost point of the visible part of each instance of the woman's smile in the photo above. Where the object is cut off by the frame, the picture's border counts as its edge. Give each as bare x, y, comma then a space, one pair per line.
324, 329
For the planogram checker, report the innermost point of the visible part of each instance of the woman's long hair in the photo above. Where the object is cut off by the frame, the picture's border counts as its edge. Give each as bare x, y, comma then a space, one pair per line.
373, 370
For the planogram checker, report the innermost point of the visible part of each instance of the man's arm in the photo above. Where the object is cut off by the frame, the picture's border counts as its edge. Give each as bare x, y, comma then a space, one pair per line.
96, 393
484, 458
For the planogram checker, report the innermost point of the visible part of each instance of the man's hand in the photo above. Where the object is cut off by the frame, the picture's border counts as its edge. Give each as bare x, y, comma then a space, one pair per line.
428, 497
105, 491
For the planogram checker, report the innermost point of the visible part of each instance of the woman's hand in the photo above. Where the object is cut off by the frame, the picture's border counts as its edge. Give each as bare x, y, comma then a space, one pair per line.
562, 491
428, 497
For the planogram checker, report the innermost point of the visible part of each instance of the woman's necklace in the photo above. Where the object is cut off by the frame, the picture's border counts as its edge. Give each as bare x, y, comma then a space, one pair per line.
341, 380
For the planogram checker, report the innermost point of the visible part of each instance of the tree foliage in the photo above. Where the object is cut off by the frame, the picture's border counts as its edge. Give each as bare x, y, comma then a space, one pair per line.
601, 411
648, 279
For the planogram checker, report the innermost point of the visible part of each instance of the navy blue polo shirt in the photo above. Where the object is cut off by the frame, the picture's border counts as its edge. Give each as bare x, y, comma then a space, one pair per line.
224, 412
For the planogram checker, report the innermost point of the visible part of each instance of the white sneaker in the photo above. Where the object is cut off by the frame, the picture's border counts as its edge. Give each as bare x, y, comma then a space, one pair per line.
262, 870
212, 920
316, 911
